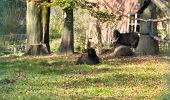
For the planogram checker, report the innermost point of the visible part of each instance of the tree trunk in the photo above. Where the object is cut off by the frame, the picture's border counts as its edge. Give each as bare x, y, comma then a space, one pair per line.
34, 29
67, 43
153, 28
147, 45
45, 25
99, 37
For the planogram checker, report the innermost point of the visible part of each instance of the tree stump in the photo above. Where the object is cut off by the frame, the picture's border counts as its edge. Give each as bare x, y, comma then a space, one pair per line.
37, 49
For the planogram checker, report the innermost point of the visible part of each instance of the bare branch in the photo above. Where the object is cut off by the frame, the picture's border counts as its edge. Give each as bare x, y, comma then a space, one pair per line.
144, 20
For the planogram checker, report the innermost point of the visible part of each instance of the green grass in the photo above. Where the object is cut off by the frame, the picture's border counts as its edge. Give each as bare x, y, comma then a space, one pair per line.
53, 77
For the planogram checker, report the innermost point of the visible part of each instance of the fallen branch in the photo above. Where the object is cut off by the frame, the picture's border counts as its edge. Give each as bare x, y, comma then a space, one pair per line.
148, 20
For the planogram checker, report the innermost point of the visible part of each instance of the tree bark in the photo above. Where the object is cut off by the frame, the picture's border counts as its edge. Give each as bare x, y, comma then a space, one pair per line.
34, 29
67, 42
99, 37
45, 25
147, 45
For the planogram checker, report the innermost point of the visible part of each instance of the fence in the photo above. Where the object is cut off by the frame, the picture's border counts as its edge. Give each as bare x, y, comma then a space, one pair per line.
13, 43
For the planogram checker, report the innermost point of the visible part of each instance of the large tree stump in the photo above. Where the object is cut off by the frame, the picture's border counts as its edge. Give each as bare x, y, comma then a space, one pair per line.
147, 46
37, 49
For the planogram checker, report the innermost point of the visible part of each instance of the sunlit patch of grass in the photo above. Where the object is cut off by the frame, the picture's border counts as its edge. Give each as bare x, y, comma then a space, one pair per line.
51, 77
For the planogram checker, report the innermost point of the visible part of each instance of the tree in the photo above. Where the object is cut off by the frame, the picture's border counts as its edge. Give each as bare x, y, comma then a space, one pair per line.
67, 41
99, 37
153, 49
67, 44
34, 29
45, 24
147, 45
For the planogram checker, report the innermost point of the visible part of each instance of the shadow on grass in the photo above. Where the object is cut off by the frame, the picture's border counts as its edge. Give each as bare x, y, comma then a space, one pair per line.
60, 66
106, 75
113, 80
51, 66
166, 95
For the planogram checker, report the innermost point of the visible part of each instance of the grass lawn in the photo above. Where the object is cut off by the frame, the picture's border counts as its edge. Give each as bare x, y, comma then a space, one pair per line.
51, 77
